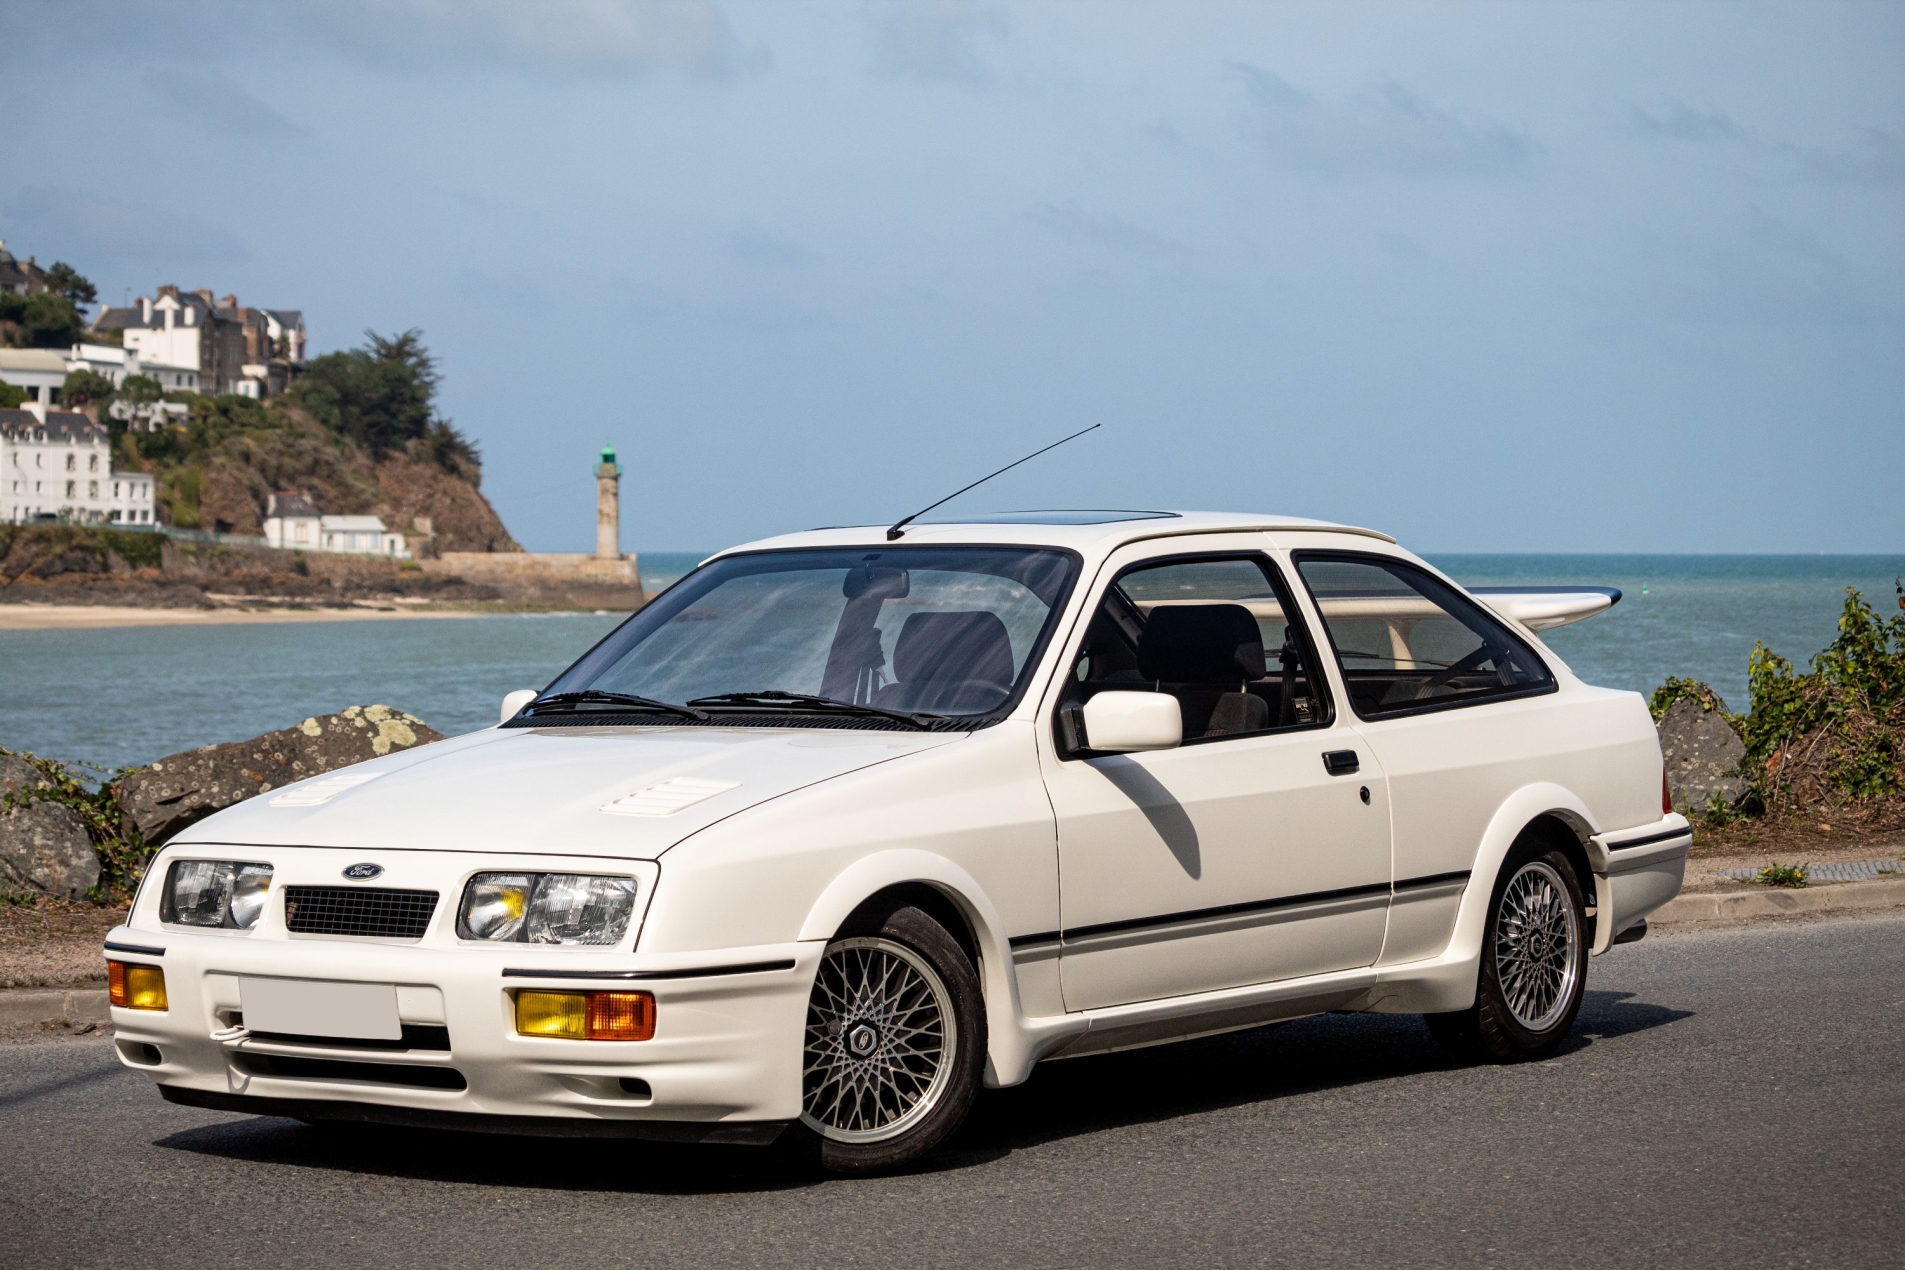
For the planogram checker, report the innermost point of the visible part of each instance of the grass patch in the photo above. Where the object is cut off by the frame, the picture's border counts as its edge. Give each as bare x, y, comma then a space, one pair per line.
1789, 875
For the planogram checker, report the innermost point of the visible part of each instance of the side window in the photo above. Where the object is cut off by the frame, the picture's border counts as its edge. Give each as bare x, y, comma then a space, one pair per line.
1217, 634
1406, 640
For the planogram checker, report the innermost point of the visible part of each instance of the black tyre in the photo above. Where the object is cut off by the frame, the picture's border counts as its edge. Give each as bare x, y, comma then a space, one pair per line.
895, 1044
1534, 962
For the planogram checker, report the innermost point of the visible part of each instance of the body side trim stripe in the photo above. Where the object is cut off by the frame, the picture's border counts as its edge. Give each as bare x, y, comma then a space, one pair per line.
1225, 910
1649, 840
697, 972
1027, 942
134, 948
1433, 879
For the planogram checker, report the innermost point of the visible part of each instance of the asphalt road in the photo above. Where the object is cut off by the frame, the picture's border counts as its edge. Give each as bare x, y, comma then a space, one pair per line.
1732, 1098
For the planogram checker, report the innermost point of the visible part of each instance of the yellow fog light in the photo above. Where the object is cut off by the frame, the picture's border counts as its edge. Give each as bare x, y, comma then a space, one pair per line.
587, 1016
135, 987
553, 1014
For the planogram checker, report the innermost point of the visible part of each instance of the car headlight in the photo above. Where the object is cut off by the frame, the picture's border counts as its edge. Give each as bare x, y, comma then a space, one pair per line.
225, 893
546, 908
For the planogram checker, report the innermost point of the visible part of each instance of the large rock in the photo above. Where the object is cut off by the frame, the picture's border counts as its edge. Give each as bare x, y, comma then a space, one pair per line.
44, 848
17, 777
184, 788
1703, 754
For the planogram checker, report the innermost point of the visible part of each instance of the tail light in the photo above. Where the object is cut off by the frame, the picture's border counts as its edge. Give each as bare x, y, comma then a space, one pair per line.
1666, 795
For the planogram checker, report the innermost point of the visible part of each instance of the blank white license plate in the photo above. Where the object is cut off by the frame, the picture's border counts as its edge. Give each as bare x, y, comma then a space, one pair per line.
316, 1007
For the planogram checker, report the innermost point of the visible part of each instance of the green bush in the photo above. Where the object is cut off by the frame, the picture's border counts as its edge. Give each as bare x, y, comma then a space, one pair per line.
1839, 729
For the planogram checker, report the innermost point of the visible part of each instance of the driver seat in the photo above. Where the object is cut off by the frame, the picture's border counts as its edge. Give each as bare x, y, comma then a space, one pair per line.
1206, 655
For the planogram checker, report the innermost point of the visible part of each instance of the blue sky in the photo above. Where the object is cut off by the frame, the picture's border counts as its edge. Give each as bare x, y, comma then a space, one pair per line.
1511, 276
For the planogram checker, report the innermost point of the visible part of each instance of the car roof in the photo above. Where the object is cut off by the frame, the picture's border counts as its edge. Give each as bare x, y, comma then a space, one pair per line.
1090, 531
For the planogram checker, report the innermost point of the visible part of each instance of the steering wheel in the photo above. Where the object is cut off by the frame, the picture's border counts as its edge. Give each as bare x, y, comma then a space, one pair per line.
1466, 665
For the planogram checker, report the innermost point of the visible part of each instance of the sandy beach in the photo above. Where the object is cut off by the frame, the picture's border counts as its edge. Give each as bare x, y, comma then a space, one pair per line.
46, 617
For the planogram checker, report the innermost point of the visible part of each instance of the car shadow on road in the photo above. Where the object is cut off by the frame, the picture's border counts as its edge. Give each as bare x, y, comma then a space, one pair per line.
1064, 1099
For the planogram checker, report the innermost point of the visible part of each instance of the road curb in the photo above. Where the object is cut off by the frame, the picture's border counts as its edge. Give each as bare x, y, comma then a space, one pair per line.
24, 1007
1702, 907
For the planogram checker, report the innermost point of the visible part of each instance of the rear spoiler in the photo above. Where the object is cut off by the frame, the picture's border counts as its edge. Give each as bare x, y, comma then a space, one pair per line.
1541, 608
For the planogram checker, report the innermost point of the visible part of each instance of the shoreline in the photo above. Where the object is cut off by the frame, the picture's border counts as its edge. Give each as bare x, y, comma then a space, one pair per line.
49, 617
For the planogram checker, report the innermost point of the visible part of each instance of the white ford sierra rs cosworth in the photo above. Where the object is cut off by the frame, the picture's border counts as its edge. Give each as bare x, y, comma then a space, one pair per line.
848, 823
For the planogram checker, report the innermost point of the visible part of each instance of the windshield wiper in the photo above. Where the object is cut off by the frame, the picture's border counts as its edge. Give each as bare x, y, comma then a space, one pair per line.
799, 700
595, 696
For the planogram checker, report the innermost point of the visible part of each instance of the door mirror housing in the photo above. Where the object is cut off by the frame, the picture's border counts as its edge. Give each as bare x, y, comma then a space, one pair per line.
515, 701
1117, 722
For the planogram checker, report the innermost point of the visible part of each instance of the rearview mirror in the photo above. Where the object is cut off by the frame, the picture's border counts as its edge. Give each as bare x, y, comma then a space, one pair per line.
516, 700
1123, 722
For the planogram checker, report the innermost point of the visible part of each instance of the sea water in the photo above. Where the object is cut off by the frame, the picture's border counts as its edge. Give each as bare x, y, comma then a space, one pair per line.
130, 695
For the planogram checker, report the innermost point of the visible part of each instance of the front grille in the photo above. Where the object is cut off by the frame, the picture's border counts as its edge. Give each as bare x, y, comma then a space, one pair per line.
358, 910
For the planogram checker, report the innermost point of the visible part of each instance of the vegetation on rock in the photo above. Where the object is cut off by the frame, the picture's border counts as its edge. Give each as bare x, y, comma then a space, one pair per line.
358, 433
1831, 737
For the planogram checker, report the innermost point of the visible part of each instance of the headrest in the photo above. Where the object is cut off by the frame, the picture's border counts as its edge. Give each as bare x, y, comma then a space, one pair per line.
1200, 643
953, 648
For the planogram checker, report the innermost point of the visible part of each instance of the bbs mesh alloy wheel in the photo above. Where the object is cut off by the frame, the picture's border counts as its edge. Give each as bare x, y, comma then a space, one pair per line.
894, 1043
1534, 961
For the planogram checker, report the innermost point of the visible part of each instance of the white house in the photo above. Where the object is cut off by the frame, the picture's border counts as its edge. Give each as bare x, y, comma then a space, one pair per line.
38, 370
361, 535
292, 522
56, 465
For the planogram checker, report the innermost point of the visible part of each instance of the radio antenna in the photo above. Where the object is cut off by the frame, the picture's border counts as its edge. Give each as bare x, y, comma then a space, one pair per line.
899, 527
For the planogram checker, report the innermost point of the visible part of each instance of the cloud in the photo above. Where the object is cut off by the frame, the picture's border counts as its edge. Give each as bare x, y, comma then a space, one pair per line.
758, 246
220, 105
934, 39
1882, 160
552, 35
1683, 123
85, 226
1073, 223
1389, 131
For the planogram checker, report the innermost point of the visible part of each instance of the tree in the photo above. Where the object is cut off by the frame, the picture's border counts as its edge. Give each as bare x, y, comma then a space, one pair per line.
50, 321
64, 280
12, 397
86, 388
383, 397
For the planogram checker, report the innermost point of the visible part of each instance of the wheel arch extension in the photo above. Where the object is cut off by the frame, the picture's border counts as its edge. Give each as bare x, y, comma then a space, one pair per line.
1548, 809
956, 900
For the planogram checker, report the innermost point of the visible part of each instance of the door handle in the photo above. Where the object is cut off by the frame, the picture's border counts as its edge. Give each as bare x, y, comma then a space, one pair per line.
1341, 762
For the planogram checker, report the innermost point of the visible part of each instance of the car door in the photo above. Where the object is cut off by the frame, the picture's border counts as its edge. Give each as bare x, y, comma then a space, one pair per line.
1454, 704
1241, 856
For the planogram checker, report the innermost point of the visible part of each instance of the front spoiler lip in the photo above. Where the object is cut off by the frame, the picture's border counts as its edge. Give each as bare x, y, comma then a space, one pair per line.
738, 1133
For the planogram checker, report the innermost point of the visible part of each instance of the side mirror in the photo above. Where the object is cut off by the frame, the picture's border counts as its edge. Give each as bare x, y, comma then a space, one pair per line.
516, 701
1123, 722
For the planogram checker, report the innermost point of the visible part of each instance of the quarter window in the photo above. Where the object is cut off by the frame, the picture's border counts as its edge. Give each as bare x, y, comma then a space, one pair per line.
1407, 641
1218, 634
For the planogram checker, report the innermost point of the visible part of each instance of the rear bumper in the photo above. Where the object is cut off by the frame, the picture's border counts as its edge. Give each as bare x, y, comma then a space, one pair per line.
1635, 872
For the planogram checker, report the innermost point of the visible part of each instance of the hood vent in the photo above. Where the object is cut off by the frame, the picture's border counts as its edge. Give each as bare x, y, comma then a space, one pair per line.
669, 797
310, 795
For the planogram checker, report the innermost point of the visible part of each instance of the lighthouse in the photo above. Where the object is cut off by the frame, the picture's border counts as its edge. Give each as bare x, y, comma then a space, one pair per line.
608, 502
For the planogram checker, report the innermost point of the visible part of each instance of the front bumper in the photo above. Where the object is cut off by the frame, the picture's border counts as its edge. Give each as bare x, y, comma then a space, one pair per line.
726, 1049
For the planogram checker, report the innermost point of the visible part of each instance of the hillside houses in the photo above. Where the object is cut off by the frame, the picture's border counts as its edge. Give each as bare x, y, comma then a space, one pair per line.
227, 346
57, 466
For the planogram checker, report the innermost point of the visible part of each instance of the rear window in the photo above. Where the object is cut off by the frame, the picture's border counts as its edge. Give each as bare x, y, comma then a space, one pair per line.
1407, 641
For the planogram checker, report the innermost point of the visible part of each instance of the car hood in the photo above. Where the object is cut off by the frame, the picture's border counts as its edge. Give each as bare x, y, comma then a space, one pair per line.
625, 792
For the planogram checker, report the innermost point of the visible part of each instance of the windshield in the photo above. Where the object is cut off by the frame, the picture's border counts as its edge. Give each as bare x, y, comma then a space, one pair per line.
949, 631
